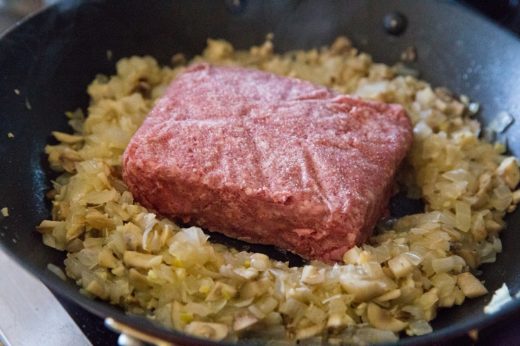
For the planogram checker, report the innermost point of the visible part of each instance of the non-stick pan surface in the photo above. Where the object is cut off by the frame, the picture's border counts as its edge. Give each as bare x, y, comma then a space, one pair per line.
47, 62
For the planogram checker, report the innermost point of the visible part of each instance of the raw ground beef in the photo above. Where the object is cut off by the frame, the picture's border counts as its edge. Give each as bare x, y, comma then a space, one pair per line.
268, 159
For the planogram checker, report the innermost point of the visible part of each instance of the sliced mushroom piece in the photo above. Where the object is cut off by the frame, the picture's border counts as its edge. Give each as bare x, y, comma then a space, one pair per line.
214, 331
509, 171
107, 259
337, 321
383, 319
341, 45
470, 285
98, 220
244, 321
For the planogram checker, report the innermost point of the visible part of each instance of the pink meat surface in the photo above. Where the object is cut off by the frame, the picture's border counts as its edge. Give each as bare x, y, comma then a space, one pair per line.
268, 159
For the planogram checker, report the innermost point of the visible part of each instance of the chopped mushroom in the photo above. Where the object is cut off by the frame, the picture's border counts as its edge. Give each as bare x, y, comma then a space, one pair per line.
341, 45
482, 196
470, 285
97, 289
509, 171
214, 331
383, 319
67, 138
141, 260
244, 321
419, 327
106, 258
98, 220
337, 321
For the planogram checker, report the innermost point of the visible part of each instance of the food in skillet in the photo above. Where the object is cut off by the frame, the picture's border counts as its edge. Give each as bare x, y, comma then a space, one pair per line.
268, 159
122, 252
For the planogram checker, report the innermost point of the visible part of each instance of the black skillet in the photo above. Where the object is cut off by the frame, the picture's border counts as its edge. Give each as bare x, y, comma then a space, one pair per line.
51, 57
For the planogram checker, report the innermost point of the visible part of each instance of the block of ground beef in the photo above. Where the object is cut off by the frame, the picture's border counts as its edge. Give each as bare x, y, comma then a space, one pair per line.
268, 159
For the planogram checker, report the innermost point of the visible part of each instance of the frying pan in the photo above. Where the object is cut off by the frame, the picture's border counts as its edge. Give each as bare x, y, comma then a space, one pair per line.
51, 57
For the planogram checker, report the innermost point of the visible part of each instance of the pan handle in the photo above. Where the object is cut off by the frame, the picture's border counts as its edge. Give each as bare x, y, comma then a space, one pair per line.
129, 336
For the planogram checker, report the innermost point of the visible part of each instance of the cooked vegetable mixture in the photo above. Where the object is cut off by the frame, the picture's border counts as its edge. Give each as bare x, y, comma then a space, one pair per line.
123, 253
